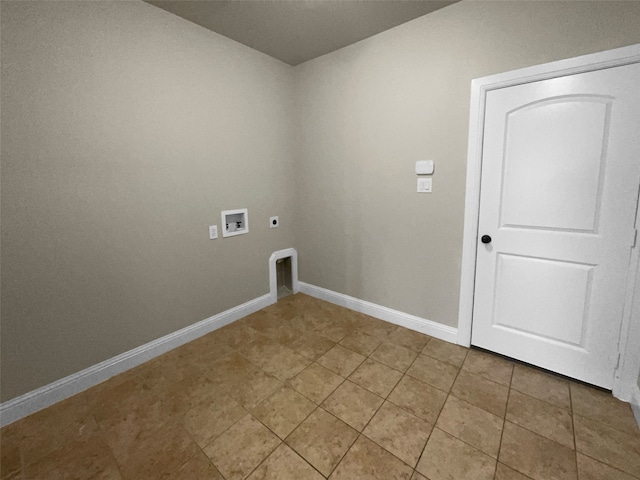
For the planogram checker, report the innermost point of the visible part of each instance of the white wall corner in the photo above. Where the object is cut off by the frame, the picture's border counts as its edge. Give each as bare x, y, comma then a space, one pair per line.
43, 397
422, 325
273, 275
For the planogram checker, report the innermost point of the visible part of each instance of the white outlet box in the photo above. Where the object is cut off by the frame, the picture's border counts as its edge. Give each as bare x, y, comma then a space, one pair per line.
213, 232
424, 185
235, 222
274, 222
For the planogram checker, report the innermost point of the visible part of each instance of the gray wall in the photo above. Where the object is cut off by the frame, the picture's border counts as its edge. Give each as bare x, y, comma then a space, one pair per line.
125, 131
369, 111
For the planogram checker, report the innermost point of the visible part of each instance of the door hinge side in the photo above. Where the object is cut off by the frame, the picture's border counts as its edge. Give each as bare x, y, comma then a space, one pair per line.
635, 238
617, 362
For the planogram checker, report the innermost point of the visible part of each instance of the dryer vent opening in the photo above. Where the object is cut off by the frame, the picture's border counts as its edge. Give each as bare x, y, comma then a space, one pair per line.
284, 277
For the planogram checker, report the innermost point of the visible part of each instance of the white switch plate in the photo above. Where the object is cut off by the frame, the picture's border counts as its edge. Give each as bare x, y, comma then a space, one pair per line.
274, 222
213, 232
424, 185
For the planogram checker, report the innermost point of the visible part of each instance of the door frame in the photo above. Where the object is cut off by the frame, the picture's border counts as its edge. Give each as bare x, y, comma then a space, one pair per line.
626, 376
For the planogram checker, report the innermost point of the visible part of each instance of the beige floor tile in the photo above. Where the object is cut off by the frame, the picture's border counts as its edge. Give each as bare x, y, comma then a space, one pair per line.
352, 404
197, 468
166, 374
332, 328
552, 422
507, 473
249, 391
285, 364
204, 358
204, 349
491, 367
311, 345
283, 411
102, 391
417, 476
156, 455
10, 455
376, 377
239, 450
43, 432
590, 469
410, 339
447, 458
446, 352
394, 356
608, 445
208, 420
226, 370
133, 426
434, 372
536, 456
87, 459
236, 335
417, 397
262, 319
541, 385
483, 393
472, 425
316, 382
368, 461
361, 343
322, 440
260, 350
399, 432
376, 327
179, 397
603, 407
282, 331
285, 464
341, 360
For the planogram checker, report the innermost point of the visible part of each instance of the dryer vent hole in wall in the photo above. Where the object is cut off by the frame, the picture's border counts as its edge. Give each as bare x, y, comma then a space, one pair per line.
284, 277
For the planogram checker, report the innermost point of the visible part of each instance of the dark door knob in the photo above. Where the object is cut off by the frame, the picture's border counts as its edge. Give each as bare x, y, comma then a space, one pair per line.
485, 239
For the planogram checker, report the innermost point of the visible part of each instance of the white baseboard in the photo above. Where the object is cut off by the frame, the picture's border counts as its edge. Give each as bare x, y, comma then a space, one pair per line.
36, 400
422, 325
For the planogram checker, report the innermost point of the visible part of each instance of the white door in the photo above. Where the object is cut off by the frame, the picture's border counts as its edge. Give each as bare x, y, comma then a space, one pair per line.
560, 175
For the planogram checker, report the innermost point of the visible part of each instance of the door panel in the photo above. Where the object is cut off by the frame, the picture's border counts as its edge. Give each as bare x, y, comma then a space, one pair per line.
567, 131
525, 301
560, 174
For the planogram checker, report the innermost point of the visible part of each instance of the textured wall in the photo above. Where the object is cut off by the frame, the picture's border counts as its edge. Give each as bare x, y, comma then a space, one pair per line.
125, 131
369, 111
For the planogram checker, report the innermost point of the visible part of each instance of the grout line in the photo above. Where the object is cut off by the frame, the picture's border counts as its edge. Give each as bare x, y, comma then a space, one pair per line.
265, 458
609, 465
504, 421
573, 429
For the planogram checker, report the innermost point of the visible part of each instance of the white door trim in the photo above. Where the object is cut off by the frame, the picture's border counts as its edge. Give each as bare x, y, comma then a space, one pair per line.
479, 89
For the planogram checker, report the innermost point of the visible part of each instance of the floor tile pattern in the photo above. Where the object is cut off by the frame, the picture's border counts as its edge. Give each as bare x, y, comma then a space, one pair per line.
307, 390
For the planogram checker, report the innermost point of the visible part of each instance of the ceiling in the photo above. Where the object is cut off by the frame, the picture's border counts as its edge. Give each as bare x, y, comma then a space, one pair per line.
295, 31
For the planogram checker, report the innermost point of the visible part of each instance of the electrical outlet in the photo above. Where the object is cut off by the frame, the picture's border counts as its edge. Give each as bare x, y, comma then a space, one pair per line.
274, 222
213, 232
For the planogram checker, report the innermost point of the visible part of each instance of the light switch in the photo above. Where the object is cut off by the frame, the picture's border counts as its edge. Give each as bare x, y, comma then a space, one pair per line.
213, 232
424, 185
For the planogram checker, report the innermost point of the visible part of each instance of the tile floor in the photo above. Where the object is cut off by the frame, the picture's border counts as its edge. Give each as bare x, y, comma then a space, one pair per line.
307, 390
